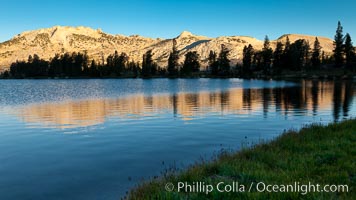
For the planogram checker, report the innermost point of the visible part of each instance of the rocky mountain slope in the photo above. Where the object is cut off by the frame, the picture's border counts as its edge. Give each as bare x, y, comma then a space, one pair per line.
98, 45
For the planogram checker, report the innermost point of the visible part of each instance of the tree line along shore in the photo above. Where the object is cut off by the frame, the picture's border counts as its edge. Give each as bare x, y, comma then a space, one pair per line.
296, 59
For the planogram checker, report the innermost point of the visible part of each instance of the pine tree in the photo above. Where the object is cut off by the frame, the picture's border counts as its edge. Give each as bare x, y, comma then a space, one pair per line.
122, 63
299, 52
191, 63
223, 61
85, 63
56, 67
338, 46
173, 60
148, 66
277, 58
267, 54
115, 68
30, 59
93, 70
212, 62
78, 63
247, 59
286, 58
315, 59
66, 62
110, 63
349, 50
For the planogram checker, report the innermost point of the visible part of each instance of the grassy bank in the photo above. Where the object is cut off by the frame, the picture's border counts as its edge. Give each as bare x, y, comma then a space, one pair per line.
322, 155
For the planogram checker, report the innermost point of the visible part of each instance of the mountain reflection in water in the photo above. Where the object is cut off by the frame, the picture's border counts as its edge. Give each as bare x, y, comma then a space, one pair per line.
309, 98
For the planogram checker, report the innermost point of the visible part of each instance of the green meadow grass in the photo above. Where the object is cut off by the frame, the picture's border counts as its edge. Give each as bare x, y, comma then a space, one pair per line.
317, 154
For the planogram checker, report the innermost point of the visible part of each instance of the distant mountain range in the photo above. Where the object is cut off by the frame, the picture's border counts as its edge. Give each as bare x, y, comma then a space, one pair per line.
98, 45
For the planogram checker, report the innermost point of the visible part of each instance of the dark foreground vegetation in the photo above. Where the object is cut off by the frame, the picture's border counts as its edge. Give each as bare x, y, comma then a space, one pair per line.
317, 154
288, 59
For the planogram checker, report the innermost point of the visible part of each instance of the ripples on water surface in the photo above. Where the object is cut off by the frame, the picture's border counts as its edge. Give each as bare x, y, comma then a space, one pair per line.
83, 139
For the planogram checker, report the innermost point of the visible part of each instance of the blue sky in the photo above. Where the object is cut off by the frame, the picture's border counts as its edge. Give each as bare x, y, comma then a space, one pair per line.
167, 18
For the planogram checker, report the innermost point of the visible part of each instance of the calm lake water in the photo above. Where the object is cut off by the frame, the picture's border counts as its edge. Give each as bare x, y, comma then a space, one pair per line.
95, 139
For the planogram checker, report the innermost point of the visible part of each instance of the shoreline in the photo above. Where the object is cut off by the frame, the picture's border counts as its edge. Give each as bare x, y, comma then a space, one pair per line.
316, 154
336, 74
326, 77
